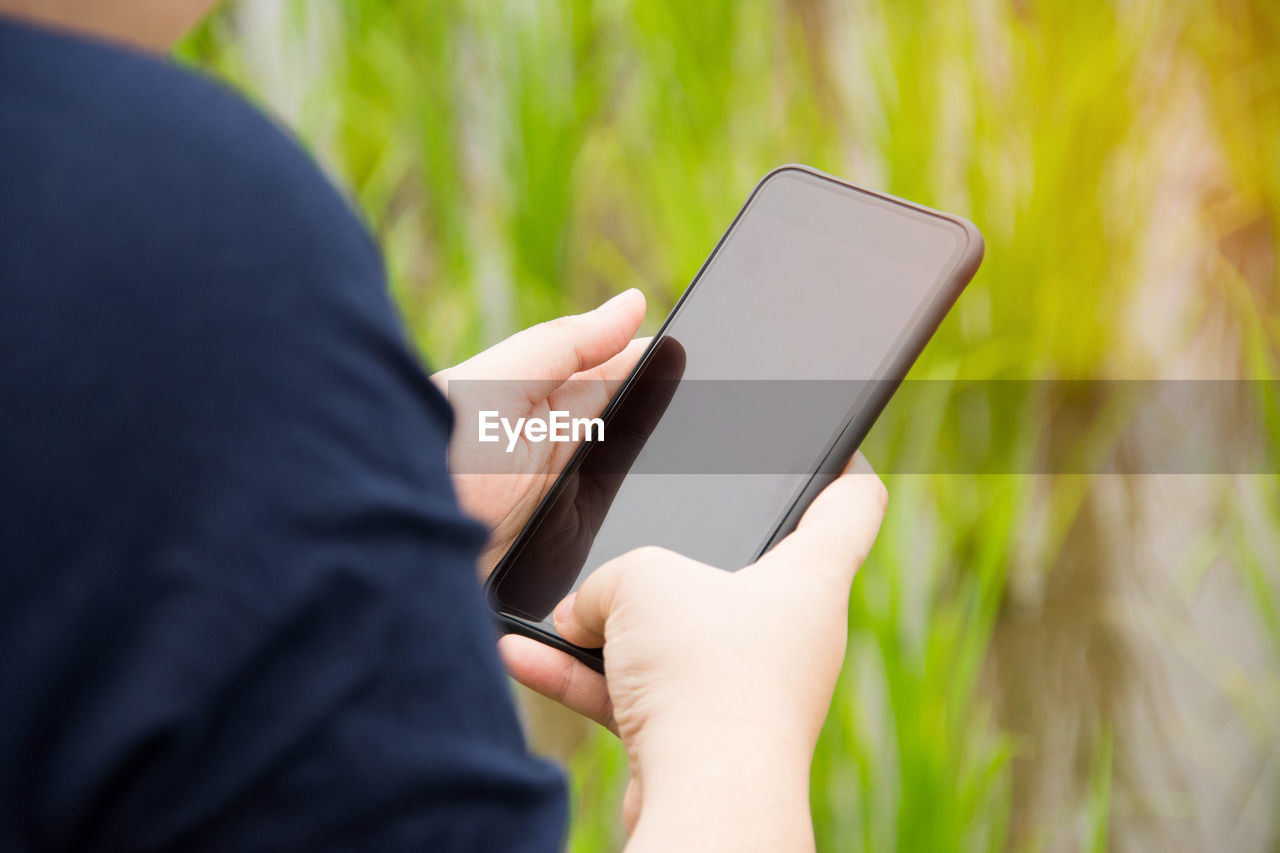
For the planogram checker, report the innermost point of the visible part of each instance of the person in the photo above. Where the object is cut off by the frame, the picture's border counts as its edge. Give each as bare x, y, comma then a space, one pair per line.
238, 598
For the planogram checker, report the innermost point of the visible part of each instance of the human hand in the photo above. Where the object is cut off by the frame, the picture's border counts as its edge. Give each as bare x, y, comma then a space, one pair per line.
717, 683
595, 350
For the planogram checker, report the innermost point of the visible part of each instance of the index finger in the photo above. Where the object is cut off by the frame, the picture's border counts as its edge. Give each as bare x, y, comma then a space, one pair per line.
558, 676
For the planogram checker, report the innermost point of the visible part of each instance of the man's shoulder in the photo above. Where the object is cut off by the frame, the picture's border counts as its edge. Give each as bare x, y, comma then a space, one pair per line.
156, 227
108, 145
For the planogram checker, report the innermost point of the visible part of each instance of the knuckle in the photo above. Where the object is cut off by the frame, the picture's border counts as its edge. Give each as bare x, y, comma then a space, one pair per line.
651, 567
619, 338
564, 682
557, 325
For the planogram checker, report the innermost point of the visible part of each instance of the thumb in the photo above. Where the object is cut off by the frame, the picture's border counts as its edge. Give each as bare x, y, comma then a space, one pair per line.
839, 527
546, 355
582, 616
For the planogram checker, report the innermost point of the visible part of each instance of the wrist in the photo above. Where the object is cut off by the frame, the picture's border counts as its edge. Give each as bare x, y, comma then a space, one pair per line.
751, 728
733, 786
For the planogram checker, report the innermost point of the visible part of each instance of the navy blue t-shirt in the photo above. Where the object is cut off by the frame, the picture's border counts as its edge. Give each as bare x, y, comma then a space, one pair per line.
238, 602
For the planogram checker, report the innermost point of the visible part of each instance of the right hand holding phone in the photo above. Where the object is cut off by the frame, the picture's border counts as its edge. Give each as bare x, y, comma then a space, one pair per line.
717, 682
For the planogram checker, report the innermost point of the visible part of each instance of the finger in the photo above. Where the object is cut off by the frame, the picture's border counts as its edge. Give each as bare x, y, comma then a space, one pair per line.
544, 356
859, 464
620, 366
840, 526
587, 393
580, 618
558, 676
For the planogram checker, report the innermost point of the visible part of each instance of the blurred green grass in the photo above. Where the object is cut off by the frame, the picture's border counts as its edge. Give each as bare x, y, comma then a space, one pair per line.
521, 160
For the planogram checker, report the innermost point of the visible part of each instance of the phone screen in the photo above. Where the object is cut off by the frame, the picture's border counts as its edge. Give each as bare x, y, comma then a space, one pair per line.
744, 390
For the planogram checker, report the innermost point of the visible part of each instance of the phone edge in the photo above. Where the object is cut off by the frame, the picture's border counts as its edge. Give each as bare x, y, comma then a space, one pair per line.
964, 266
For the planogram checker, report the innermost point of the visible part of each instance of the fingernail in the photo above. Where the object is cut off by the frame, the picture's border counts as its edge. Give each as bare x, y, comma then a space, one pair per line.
621, 297
564, 608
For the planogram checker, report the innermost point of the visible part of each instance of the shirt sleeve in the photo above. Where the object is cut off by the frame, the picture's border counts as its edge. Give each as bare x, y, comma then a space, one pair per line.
241, 610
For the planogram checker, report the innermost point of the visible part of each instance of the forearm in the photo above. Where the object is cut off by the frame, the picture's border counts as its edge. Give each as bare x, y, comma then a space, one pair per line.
754, 796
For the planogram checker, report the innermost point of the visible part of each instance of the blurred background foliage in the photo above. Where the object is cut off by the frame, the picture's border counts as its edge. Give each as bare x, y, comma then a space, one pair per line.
1037, 662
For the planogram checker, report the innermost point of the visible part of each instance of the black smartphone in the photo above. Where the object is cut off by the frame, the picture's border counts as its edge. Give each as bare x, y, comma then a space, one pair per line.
753, 395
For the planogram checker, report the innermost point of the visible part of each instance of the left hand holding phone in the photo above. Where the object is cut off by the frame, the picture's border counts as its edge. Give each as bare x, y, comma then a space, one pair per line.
595, 350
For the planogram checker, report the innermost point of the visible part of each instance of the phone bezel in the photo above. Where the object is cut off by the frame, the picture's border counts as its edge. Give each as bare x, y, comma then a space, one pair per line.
845, 441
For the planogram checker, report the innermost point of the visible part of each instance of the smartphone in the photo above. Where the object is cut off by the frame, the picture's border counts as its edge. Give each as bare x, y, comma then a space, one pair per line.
754, 394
